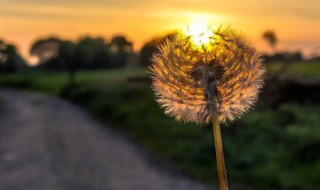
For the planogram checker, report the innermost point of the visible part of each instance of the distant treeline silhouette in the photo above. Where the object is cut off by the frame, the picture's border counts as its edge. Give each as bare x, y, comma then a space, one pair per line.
87, 53
92, 53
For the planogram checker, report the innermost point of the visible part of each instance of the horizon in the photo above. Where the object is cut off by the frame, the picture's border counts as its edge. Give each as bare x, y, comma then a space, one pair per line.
295, 23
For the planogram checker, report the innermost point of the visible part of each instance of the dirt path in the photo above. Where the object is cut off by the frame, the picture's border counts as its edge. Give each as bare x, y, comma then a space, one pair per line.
48, 143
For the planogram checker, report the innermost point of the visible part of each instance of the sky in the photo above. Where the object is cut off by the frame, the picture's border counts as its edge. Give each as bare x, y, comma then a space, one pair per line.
295, 22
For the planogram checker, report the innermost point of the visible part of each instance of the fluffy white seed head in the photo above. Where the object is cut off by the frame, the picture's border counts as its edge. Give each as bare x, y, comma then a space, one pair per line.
222, 76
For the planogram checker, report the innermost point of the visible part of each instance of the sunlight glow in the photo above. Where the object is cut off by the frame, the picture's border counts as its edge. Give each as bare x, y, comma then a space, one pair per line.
199, 31
33, 60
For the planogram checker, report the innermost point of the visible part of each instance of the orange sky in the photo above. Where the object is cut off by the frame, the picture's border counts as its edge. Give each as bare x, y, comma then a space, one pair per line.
296, 22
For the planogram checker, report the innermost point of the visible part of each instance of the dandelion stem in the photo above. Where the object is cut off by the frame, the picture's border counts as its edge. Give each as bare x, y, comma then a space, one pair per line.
222, 174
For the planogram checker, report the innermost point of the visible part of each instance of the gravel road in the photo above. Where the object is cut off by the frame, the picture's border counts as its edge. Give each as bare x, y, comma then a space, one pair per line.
49, 143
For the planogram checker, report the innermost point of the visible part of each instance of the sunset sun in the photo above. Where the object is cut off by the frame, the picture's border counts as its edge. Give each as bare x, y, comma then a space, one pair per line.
199, 31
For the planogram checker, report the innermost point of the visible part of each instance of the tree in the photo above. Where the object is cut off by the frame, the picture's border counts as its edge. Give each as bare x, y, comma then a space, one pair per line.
10, 60
45, 50
271, 38
120, 43
93, 53
121, 49
150, 48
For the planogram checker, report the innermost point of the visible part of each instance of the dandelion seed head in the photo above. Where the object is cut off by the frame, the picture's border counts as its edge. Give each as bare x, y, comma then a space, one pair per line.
222, 75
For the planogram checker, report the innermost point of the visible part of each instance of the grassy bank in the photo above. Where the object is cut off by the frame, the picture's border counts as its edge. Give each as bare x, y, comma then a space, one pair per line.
267, 149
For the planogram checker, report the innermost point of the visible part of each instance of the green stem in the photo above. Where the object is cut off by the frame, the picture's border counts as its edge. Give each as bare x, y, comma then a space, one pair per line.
222, 174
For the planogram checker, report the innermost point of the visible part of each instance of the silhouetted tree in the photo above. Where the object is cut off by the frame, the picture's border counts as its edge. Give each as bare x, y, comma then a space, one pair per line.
121, 50
45, 50
10, 60
93, 53
150, 48
271, 38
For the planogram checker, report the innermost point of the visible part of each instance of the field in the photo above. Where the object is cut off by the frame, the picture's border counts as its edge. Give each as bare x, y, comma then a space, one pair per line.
309, 69
269, 148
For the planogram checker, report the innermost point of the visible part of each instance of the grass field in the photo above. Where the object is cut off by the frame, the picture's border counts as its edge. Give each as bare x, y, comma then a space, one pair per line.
309, 69
267, 149
53, 82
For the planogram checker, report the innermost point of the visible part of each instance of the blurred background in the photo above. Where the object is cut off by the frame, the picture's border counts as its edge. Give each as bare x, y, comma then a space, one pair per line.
96, 54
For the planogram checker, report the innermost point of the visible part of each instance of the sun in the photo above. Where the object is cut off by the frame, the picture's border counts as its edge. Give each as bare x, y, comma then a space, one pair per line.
199, 31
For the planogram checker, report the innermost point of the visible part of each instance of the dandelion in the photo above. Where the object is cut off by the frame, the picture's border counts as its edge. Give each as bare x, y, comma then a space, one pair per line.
212, 76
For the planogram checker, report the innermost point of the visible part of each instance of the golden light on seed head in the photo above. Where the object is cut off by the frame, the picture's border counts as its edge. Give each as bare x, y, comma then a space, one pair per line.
200, 32
222, 75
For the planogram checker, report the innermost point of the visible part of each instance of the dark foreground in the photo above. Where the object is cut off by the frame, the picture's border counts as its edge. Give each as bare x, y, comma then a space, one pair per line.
48, 143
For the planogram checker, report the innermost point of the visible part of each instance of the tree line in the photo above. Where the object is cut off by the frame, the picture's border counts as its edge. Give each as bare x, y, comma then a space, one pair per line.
91, 53
87, 53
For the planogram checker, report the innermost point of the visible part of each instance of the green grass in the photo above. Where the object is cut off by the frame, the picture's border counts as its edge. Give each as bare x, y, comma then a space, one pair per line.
311, 68
266, 149
54, 82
